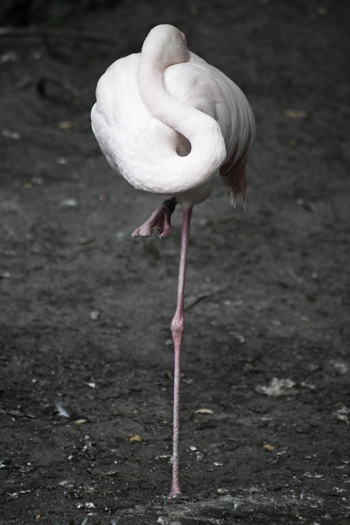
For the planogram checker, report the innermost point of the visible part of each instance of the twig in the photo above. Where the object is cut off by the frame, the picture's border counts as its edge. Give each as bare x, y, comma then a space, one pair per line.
115, 473
42, 34
191, 301
194, 483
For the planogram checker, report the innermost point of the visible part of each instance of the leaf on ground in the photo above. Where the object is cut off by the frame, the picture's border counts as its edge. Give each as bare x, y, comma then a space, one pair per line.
278, 387
310, 206
14, 135
133, 438
204, 411
314, 476
269, 447
65, 125
296, 113
322, 11
343, 413
86, 240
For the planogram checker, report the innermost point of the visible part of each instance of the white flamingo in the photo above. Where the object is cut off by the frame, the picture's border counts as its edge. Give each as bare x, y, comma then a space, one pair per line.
172, 124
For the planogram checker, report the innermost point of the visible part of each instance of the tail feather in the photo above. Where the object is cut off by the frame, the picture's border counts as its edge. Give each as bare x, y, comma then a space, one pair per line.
234, 175
236, 186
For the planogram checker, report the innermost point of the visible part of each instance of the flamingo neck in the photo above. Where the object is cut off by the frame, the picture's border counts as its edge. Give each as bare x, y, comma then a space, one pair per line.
208, 152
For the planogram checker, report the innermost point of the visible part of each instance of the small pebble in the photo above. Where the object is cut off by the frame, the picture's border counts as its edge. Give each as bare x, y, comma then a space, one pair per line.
94, 315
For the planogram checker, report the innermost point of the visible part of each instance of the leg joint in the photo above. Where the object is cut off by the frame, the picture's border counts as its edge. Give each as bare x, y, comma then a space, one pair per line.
178, 324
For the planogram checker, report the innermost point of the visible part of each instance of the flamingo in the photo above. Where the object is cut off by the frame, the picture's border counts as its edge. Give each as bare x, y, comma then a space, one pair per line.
172, 124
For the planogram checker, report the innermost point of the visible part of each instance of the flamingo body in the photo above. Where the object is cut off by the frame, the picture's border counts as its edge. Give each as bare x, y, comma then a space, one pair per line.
207, 123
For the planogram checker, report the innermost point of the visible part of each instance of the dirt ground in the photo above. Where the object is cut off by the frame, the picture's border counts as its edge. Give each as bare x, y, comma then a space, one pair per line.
86, 351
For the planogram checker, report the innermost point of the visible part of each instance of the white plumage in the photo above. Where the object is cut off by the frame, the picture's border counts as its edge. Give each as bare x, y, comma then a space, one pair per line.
151, 120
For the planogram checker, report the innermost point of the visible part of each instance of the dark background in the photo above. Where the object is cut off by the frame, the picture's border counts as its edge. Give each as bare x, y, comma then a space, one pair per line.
86, 352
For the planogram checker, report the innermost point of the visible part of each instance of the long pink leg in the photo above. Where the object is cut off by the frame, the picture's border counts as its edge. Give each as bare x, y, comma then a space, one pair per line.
177, 329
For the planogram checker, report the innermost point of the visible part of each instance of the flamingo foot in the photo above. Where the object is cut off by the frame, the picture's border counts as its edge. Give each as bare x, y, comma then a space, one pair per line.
175, 491
159, 220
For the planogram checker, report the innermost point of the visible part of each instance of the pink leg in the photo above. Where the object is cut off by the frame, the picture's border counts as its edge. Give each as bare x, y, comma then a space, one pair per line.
177, 329
159, 220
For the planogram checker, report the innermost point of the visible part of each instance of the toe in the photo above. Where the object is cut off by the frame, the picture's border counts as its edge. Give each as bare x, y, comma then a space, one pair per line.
165, 232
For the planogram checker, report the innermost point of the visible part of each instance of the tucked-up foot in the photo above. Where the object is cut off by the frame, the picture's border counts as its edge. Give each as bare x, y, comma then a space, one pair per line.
159, 220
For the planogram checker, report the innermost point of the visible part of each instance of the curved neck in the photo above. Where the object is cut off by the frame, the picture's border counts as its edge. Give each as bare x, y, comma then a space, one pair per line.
208, 150
158, 101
